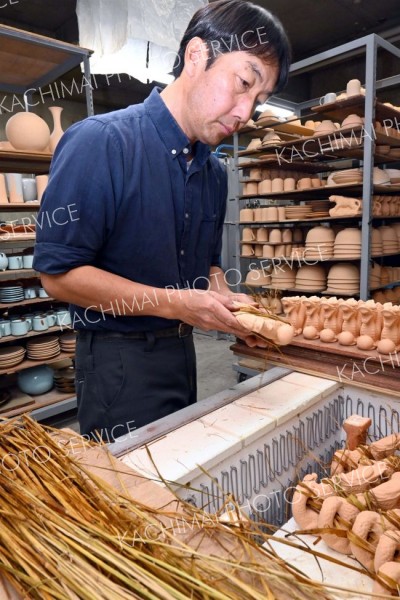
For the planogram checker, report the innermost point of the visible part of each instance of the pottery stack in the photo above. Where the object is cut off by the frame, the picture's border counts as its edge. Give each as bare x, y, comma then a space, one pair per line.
319, 243
311, 278
344, 278
348, 243
283, 277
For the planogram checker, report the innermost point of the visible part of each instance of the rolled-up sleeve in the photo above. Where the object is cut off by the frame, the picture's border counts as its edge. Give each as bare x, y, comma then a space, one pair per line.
79, 206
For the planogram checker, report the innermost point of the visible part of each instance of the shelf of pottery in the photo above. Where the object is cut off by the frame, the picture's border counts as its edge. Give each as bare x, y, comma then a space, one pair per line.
301, 202
37, 343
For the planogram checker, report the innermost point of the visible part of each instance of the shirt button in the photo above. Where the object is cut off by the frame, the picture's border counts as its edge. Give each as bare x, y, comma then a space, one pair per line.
173, 151
182, 252
186, 151
186, 215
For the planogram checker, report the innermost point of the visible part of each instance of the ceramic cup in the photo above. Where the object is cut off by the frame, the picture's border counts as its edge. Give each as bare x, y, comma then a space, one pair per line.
3, 261
246, 214
41, 184
3, 190
29, 293
51, 318
29, 191
40, 323
304, 183
14, 185
43, 293
29, 319
63, 318
277, 184
268, 251
27, 261
5, 327
19, 327
15, 262
353, 87
258, 214
281, 213
265, 186
289, 184
271, 213
248, 234
258, 250
330, 97
247, 250
262, 234
279, 250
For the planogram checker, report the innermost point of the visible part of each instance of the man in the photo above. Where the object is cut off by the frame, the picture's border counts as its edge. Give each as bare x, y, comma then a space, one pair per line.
139, 262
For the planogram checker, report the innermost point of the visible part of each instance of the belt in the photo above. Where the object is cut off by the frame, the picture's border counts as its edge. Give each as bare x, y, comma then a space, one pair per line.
181, 331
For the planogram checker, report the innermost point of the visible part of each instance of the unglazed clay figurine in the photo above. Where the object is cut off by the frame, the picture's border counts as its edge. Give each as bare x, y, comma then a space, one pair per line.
336, 507
277, 331
330, 309
369, 526
370, 320
295, 312
314, 317
385, 446
388, 549
390, 574
361, 479
356, 428
386, 495
346, 460
303, 514
390, 326
345, 206
350, 318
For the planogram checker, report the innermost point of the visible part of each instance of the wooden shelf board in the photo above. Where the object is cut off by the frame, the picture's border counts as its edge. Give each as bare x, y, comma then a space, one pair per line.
20, 338
341, 109
7, 237
52, 397
304, 166
306, 220
327, 190
13, 274
18, 205
27, 363
325, 360
26, 302
24, 162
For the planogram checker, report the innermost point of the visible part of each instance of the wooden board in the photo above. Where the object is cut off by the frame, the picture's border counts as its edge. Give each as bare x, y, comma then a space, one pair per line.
347, 367
18, 400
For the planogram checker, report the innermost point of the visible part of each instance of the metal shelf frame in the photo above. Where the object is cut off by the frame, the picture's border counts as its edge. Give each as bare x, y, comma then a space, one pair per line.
369, 46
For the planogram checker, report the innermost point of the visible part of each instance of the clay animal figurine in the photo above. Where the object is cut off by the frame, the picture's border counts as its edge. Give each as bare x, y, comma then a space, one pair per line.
331, 509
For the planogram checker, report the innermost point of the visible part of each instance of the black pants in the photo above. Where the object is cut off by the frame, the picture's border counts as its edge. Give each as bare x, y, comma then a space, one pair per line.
124, 383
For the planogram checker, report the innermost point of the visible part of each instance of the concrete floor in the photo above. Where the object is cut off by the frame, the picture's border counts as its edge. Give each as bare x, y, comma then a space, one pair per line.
214, 373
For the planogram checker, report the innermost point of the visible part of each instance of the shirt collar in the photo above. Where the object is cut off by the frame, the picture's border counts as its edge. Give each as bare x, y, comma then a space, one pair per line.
174, 139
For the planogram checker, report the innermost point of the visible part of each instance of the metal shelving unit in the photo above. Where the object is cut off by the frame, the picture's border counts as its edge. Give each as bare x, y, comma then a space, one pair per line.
368, 46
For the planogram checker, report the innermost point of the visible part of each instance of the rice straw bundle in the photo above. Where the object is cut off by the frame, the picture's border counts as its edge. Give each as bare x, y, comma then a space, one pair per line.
66, 534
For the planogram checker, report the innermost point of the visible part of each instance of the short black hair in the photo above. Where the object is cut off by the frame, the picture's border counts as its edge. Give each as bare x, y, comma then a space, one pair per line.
232, 25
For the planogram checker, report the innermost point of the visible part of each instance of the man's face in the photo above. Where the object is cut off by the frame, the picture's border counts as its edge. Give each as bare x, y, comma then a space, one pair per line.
223, 98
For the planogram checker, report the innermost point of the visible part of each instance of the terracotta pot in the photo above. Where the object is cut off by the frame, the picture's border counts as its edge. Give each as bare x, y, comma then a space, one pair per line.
27, 131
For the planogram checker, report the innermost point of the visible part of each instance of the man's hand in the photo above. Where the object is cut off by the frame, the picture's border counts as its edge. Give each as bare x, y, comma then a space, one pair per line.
210, 310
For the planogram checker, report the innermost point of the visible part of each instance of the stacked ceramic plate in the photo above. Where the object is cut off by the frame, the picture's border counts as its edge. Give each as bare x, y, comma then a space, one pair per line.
348, 243
68, 342
389, 239
311, 278
320, 208
319, 243
11, 356
344, 278
283, 277
12, 293
298, 212
43, 348
64, 380
376, 242
346, 177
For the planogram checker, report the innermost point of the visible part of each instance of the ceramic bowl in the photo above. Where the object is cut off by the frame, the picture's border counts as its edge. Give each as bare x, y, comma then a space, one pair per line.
37, 380
350, 236
311, 272
352, 121
320, 234
325, 126
344, 271
275, 236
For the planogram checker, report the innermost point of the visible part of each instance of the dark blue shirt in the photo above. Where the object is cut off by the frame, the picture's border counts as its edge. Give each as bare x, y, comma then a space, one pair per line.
121, 198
